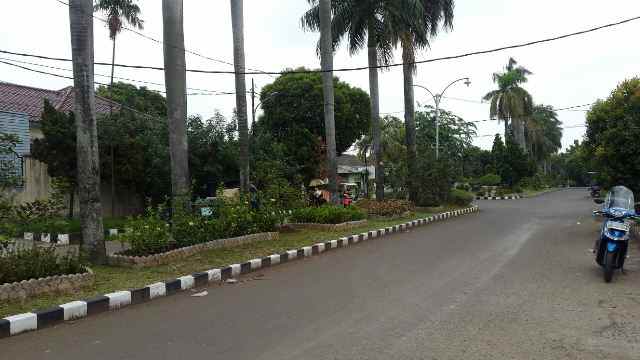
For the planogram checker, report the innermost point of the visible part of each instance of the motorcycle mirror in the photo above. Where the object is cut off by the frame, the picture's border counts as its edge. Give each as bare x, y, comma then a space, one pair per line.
598, 201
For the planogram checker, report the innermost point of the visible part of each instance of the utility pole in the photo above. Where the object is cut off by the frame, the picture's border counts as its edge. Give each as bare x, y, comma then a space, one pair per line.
253, 104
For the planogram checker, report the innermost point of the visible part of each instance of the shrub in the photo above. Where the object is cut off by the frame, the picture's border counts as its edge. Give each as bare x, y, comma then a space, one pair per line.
147, 234
490, 180
385, 207
460, 197
327, 215
36, 262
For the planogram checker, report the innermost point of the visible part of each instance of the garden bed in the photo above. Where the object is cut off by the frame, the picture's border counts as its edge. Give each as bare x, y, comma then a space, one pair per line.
327, 227
26, 289
181, 253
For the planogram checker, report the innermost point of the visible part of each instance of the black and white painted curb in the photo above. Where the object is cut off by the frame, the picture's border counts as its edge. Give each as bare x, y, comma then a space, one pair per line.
36, 320
513, 197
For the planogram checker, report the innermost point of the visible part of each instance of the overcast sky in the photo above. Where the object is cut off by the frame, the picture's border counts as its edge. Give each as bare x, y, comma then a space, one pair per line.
567, 72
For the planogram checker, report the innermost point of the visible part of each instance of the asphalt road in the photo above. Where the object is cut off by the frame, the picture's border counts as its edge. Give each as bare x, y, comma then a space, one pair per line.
516, 281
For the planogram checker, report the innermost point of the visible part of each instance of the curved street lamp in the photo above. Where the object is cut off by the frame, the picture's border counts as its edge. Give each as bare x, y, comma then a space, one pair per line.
436, 99
255, 108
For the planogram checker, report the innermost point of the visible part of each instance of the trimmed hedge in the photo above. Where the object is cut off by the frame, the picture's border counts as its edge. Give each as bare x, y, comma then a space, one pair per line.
327, 215
460, 197
386, 207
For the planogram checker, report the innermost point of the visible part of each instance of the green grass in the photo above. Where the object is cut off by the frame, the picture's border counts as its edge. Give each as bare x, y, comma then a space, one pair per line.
531, 192
109, 279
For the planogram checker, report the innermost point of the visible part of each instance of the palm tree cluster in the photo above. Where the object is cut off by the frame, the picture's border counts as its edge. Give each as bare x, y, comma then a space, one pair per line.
534, 127
379, 25
382, 26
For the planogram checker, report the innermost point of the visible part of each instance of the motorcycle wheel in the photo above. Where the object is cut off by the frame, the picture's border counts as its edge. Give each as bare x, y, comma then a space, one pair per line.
608, 266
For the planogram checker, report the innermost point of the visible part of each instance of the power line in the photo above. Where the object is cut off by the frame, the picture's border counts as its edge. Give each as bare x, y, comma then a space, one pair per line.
563, 127
210, 92
162, 42
463, 55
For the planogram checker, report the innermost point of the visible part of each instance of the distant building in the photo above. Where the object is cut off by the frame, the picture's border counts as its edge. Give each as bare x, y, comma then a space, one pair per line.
21, 109
354, 172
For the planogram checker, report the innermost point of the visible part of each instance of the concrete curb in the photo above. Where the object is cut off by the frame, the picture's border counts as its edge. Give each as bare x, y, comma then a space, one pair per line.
36, 320
514, 197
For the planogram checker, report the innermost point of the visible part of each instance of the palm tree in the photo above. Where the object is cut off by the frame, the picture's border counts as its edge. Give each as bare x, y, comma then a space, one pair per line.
414, 26
175, 77
326, 64
81, 27
357, 21
543, 133
237, 23
511, 103
117, 11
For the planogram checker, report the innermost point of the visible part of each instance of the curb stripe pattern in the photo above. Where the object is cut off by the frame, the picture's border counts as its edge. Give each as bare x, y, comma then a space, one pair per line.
514, 197
16, 324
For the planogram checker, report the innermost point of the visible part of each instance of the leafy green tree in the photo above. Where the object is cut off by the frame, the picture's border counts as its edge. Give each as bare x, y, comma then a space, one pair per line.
140, 99
613, 129
510, 161
293, 116
213, 153
511, 103
476, 162
58, 147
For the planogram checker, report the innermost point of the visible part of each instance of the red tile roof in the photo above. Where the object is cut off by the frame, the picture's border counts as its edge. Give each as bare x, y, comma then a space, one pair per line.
30, 100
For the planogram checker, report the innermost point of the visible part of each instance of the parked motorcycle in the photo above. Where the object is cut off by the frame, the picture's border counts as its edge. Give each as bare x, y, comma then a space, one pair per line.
611, 248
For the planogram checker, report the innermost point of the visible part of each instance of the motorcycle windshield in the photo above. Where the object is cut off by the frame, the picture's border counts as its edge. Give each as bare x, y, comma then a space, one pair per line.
621, 198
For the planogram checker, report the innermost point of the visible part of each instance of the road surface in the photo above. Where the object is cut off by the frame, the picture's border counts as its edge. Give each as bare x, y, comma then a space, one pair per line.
516, 281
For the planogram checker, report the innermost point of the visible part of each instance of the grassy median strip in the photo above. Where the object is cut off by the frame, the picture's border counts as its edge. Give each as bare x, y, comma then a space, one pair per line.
109, 279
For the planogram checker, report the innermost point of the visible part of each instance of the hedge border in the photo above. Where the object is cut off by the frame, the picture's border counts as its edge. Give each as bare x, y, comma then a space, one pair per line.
36, 320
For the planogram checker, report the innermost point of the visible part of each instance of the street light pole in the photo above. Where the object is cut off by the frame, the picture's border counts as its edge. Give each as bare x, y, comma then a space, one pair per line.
436, 99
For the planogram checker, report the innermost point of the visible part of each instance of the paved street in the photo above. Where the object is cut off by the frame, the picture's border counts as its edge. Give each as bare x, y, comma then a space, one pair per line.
513, 282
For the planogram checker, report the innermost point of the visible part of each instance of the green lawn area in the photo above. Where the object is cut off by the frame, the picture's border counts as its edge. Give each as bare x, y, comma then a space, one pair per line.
109, 279
530, 192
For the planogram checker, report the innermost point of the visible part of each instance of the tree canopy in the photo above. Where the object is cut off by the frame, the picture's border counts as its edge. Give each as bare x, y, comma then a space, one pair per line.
613, 129
293, 116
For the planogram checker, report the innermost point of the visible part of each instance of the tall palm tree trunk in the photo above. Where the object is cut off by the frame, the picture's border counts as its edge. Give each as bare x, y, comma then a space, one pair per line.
409, 120
326, 59
81, 27
375, 112
112, 150
175, 82
237, 23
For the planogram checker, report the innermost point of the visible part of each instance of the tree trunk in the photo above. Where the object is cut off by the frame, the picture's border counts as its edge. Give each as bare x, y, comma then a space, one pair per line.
375, 113
71, 201
175, 82
113, 153
81, 27
237, 23
409, 123
517, 125
326, 59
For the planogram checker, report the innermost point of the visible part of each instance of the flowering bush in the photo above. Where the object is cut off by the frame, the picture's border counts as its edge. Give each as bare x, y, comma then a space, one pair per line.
327, 215
385, 207
147, 234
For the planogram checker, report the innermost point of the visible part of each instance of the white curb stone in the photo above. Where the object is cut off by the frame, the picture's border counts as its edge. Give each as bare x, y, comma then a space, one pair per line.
158, 289
22, 322
186, 282
74, 310
119, 299
235, 268
214, 275
275, 259
256, 264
